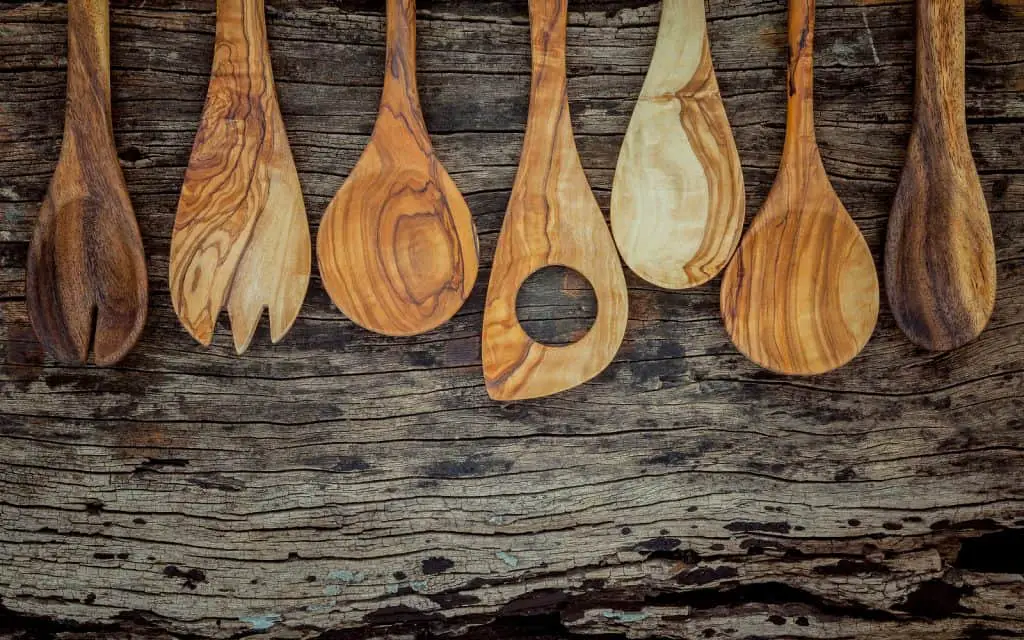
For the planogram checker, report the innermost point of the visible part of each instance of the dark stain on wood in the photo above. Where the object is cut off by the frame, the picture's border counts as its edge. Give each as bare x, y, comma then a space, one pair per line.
765, 527
661, 543
400, 614
998, 552
190, 577
350, 464
435, 565
472, 466
846, 567
704, 575
537, 601
936, 600
981, 524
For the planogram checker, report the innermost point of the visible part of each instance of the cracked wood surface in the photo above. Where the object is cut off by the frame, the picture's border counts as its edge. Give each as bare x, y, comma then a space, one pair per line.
343, 480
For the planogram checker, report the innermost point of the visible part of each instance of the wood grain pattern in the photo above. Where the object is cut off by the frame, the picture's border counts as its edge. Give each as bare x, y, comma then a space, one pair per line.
682, 492
677, 202
801, 295
397, 248
940, 267
241, 239
86, 263
552, 219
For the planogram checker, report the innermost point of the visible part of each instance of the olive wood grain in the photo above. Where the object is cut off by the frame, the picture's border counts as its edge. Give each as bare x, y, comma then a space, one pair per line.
940, 267
241, 239
86, 258
677, 202
552, 219
801, 295
397, 248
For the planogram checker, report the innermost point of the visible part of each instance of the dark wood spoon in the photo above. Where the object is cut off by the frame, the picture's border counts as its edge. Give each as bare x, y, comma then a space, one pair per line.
85, 262
940, 265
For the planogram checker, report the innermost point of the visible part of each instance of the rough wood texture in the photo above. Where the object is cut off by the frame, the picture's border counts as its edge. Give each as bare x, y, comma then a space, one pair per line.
398, 250
801, 295
677, 198
552, 219
86, 277
369, 483
241, 240
940, 261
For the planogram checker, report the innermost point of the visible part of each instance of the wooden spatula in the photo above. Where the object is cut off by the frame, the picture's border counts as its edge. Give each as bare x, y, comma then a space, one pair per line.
86, 258
240, 239
801, 295
397, 247
552, 219
940, 267
677, 199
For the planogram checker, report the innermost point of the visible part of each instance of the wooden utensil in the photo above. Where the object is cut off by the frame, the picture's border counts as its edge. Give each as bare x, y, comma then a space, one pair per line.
677, 198
801, 295
397, 247
86, 255
940, 265
552, 219
240, 239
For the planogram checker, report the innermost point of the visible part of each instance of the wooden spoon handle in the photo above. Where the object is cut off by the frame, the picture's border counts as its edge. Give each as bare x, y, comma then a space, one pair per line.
400, 89
552, 219
800, 79
549, 84
941, 65
88, 115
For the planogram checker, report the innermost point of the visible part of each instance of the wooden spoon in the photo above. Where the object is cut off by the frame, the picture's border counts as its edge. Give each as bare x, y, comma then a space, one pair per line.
552, 219
801, 295
397, 247
940, 266
677, 199
240, 239
86, 255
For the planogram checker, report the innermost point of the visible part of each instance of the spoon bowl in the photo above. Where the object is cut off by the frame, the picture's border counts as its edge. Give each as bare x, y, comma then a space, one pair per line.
800, 297
397, 248
677, 201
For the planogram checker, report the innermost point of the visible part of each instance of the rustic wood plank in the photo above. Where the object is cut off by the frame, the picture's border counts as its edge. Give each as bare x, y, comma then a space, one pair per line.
347, 481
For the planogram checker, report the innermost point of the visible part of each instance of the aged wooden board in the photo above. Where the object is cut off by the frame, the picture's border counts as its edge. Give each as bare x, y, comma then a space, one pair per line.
343, 480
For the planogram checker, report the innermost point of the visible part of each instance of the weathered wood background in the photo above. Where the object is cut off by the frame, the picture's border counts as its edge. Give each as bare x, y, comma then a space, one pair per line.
343, 480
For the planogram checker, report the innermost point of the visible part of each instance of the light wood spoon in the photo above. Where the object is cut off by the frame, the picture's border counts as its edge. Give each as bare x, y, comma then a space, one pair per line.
397, 247
677, 198
241, 239
940, 265
552, 219
86, 257
801, 295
